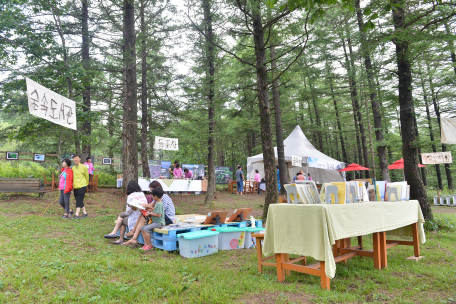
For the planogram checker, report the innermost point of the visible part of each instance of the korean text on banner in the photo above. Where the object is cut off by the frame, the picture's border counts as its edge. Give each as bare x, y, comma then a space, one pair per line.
296, 161
51, 106
163, 143
437, 158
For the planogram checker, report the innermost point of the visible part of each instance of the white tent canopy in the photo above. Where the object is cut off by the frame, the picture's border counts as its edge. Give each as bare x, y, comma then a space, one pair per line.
321, 167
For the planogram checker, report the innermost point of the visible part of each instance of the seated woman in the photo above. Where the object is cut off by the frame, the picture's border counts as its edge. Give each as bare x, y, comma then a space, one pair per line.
130, 217
168, 206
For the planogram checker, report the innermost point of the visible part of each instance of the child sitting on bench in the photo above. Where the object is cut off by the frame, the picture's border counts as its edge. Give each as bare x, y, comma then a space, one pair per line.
156, 219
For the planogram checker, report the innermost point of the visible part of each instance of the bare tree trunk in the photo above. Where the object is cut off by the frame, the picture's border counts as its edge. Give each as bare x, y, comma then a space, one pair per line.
278, 118
431, 133
130, 148
210, 72
86, 125
144, 158
342, 144
357, 107
381, 148
437, 114
409, 151
450, 44
265, 109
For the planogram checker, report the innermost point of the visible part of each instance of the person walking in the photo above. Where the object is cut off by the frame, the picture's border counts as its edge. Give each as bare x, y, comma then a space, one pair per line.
65, 187
239, 181
257, 178
80, 182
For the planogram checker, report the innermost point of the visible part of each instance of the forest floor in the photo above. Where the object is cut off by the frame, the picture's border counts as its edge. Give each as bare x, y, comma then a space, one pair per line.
47, 259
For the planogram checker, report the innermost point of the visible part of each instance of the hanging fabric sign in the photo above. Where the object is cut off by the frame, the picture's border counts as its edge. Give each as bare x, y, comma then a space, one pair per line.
437, 158
448, 130
296, 161
163, 143
51, 106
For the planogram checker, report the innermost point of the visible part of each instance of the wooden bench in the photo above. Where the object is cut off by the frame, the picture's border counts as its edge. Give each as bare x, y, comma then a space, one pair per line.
22, 185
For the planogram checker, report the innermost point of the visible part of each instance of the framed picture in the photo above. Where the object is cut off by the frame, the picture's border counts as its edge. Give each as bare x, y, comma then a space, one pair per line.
39, 157
107, 161
12, 155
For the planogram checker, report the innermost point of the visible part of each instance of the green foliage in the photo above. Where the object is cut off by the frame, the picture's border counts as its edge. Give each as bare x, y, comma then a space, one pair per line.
439, 224
22, 169
106, 178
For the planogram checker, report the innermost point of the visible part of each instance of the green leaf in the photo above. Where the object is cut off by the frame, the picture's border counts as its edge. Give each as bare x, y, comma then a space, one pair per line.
367, 11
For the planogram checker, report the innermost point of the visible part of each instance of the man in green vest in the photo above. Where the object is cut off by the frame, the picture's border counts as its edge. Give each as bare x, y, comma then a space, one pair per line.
80, 182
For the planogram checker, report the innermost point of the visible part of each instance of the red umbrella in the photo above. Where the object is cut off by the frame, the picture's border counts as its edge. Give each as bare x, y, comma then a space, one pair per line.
354, 167
399, 164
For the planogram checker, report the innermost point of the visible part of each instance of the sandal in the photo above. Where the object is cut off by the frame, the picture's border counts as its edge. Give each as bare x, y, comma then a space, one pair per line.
131, 242
147, 248
110, 236
130, 234
118, 242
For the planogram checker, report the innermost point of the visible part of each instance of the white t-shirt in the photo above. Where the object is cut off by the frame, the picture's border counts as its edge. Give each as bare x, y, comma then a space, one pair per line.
134, 215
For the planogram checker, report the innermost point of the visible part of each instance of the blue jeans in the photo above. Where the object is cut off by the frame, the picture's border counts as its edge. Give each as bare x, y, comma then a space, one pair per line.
240, 186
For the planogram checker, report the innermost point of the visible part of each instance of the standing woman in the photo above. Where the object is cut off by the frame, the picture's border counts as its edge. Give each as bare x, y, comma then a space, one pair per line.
177, 171
65, 187
80, 182
257, 178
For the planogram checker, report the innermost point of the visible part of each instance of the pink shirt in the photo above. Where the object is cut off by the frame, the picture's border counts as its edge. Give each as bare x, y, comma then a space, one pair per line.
89, 167
177, 172
62, 181
257, 177
188, 174
301, 177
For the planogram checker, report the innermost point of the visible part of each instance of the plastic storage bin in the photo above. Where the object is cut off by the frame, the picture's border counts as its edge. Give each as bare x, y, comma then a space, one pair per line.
250, 242
198, 243
231, 238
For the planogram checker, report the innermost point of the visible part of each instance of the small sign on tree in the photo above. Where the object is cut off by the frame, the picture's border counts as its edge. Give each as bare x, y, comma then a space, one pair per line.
296, 161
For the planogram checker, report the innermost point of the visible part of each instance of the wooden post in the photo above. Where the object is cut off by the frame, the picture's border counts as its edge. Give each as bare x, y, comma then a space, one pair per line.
280, 271
376, 239
383, 254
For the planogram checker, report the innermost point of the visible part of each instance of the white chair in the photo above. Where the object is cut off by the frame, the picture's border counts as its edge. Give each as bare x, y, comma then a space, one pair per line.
291, 189
392, 190
331, 190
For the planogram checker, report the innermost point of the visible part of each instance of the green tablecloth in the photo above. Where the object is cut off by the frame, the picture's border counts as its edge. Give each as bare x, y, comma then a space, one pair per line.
311, 230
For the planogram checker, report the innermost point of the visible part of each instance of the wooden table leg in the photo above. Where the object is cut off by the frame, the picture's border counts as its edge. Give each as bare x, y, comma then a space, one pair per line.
325, 281
383, 254
259, 255
286, 258
360, 242
416, 240
280, 270
377, 260
336, 248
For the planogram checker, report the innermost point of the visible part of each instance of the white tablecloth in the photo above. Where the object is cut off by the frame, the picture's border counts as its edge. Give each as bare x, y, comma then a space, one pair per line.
177, 185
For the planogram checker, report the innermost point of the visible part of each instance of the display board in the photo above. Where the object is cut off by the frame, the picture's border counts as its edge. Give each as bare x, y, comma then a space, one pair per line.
223, 175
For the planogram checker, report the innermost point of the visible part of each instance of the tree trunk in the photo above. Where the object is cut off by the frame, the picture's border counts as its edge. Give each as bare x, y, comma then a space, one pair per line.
210, 71
409, 151
357, 107
450, 44
86, 125
150, 133
265, 109
278, 119
417, 134
437, 114
431, 135
144, 108
342, 144
381, 148
130, 149
317, 116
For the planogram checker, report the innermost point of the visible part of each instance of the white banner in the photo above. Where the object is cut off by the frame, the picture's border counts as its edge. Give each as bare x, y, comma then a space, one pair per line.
163, 143
296, 161
51, 106
437, 158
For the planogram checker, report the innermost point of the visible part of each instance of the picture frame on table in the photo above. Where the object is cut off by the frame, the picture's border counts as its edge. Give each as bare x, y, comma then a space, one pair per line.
12, 155
39, 157
107, 161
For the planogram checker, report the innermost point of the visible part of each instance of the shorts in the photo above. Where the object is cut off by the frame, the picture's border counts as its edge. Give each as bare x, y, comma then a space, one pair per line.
79, 196
150, 228
124, 218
